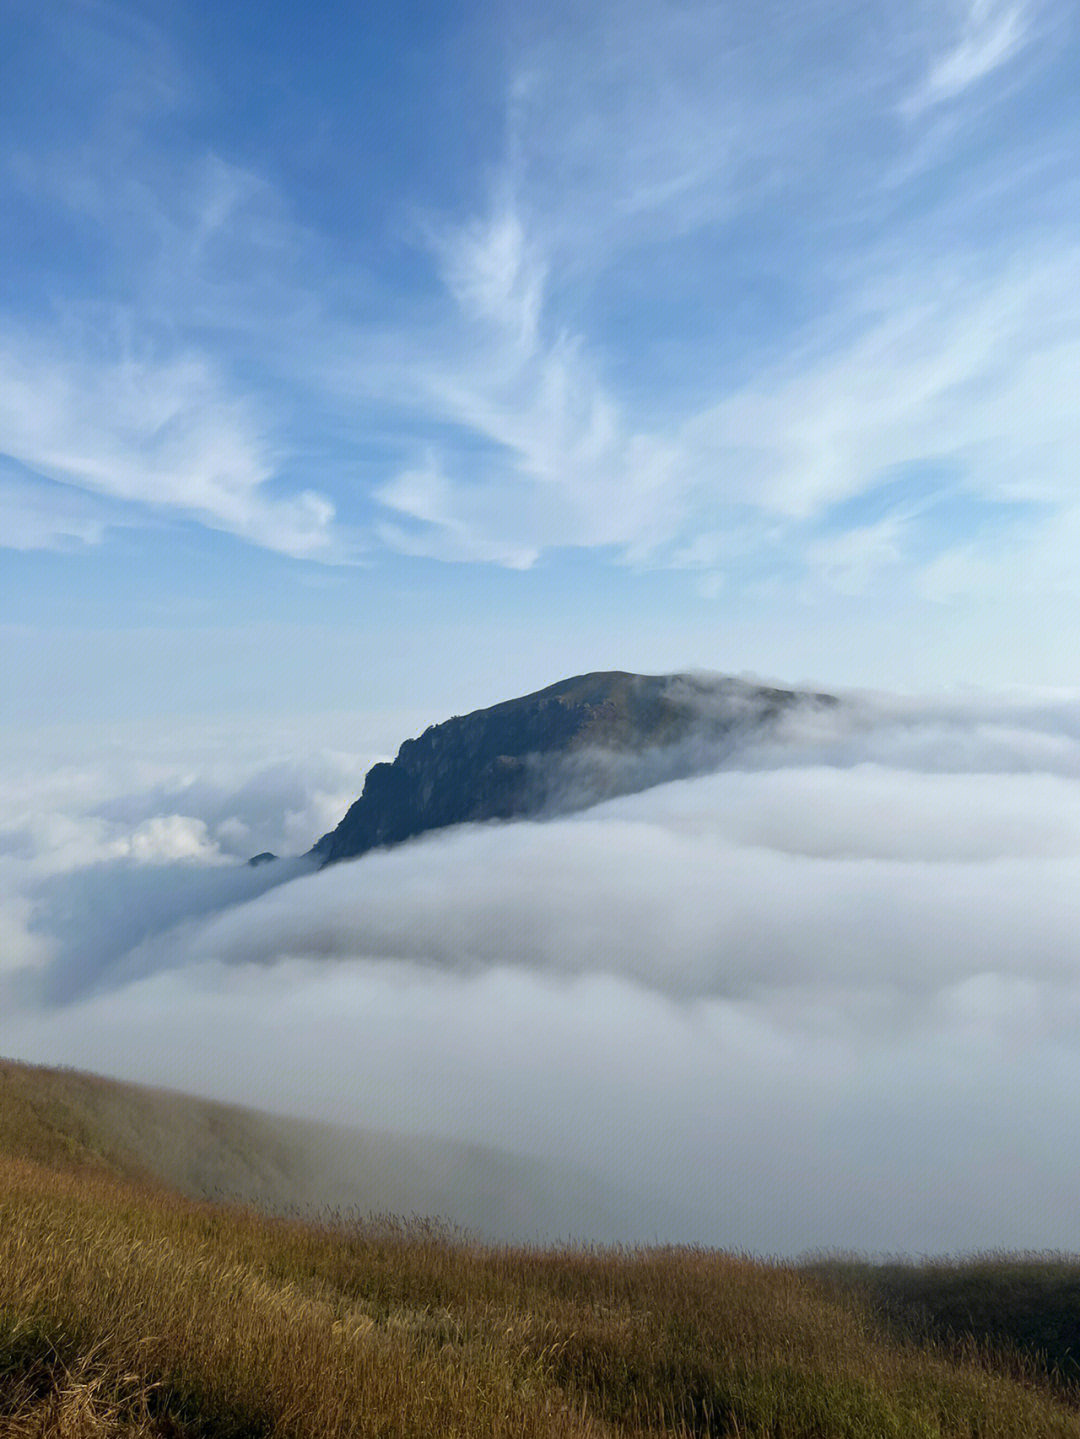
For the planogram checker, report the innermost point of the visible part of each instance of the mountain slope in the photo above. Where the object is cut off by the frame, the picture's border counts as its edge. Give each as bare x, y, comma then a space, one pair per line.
564, 747
206, 1150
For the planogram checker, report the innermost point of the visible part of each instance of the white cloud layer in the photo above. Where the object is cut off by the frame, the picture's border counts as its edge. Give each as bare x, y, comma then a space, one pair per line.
828, 997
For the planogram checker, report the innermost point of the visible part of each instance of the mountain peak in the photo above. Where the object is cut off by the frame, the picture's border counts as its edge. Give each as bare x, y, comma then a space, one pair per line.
561, 748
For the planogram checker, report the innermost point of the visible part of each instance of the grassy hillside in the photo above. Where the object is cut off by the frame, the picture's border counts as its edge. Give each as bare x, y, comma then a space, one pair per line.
215, 1151
62, 1116
127, 1309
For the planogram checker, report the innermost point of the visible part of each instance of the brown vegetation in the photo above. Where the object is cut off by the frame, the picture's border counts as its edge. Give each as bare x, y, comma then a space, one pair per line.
128, 1310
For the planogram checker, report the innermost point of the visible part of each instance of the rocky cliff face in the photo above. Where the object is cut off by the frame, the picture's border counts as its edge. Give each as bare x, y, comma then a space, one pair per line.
562, 748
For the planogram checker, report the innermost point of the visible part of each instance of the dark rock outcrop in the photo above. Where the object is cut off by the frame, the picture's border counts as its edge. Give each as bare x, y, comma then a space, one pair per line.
562, 748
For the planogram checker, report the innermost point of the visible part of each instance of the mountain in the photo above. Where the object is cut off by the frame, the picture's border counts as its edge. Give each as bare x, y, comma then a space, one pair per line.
567, 746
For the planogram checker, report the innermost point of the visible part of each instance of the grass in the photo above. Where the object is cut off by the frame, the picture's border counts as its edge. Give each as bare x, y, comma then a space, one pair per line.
61, 1116
1024, 1302
129, 1310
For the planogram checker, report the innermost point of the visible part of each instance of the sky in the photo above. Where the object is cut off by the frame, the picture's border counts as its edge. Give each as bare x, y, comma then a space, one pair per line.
357, 359
364, 365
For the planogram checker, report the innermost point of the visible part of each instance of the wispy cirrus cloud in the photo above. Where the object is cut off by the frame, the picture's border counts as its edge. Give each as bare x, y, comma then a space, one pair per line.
40, 516
549, 458
974, 371
118, 401
669, 312
968, 375
959, 361
165, 434
991, 34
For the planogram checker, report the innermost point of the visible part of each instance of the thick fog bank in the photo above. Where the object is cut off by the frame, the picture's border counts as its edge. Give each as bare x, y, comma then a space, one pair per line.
827, 998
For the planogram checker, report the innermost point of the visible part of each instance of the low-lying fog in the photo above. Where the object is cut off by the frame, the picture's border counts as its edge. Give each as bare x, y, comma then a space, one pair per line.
827, 999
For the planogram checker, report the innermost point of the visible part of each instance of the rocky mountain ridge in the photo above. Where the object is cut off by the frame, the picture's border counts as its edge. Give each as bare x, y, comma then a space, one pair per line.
562, 748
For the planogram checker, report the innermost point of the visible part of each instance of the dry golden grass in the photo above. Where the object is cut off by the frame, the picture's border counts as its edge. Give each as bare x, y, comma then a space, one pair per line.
125, 1310
1027, 1302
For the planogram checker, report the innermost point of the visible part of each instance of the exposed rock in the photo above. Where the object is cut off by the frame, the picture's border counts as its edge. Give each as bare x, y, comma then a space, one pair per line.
562, 748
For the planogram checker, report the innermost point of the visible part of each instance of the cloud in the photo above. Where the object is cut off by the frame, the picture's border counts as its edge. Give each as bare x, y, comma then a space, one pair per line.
105, 839
120, 396
673, 890
957, 359
991, 35
661, 308
827, 996
492, 275
973, 375
850, 560
969, 378
37, 516
1033, 561
433, 521
548, 457
160, 433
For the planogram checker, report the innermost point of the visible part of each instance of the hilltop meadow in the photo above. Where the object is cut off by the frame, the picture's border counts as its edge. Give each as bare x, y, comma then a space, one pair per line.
130, 1309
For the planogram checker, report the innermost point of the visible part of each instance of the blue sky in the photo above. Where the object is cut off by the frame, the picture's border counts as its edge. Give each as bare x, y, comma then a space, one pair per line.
408, 355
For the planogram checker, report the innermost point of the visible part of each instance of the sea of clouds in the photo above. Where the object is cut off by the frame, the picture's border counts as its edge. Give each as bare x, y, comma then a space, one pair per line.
828, 997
